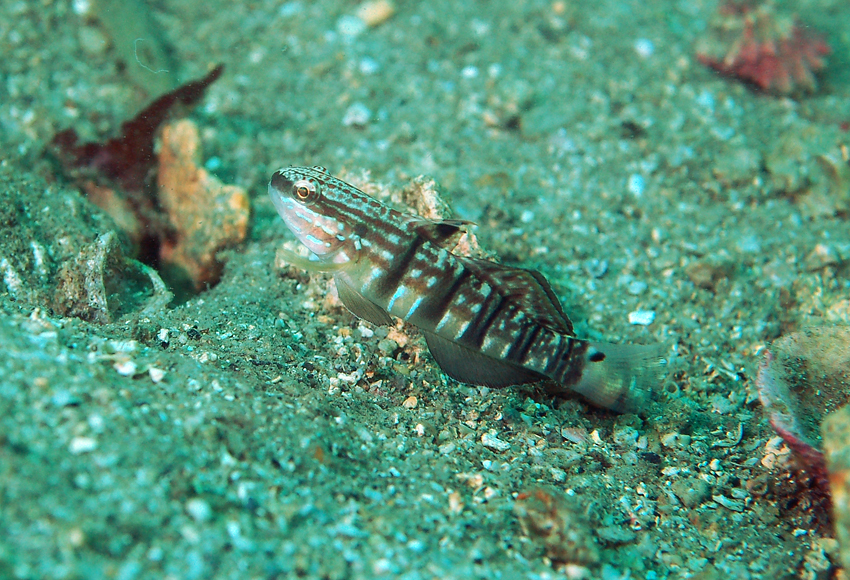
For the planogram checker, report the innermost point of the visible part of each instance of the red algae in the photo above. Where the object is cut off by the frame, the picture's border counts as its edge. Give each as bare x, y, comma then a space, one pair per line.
176, 214
771, 52
129, 158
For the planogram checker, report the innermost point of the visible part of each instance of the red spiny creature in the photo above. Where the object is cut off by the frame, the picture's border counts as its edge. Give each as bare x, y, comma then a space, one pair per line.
772, 52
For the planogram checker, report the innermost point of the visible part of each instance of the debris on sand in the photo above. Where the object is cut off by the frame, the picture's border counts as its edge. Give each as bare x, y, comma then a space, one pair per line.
770, 51
804, 377
554, 522
127, 160
94, 285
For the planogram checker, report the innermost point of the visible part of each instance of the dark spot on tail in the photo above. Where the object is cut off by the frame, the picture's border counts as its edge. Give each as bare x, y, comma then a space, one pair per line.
597, 356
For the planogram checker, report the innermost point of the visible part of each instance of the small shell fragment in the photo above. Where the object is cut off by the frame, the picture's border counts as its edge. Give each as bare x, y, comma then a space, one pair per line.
126, 367
729, 504
410, 402
455, 503
357, 115
82, 445
374, 13
490, 441
642, 317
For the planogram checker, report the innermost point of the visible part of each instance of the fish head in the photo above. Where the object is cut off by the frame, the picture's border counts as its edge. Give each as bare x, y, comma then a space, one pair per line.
305, 199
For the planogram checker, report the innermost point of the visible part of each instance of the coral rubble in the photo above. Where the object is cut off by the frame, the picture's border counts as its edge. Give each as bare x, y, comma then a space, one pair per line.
94, 286
205, 214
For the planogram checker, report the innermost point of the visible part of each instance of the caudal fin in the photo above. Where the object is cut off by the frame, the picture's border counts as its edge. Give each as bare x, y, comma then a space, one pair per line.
620, 377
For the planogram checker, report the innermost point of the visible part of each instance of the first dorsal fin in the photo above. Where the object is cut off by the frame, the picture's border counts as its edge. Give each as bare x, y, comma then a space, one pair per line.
528, 289
445, 233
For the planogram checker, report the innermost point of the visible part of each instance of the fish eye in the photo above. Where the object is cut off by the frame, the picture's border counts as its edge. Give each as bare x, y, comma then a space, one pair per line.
305, 190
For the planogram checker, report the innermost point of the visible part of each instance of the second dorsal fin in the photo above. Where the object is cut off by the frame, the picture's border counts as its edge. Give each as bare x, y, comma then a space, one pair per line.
528, 289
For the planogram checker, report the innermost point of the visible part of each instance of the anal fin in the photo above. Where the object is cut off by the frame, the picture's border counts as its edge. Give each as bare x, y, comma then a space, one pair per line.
361, 306
469, 366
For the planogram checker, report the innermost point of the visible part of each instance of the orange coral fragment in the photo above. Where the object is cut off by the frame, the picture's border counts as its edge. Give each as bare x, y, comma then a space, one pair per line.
206, 215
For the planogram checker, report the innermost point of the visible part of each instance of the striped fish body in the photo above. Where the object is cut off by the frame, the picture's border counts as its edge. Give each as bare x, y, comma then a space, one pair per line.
484, 323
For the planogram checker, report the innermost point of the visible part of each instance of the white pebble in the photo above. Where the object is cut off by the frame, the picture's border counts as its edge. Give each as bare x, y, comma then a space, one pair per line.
636, 184
490, 441
469, 72
125, 367
642, 317
729, 504
81, 7
675, 440
350, 26
96, 422
369, 66
121, 346
357, 115
644, 47
82, 445
198, 509
636, 287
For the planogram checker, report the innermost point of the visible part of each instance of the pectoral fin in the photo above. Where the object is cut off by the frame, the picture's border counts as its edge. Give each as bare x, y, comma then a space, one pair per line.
323, 264
359, 305
469, 366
